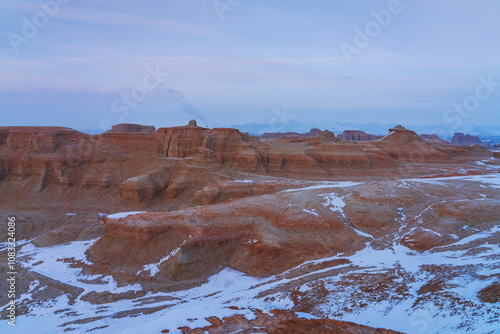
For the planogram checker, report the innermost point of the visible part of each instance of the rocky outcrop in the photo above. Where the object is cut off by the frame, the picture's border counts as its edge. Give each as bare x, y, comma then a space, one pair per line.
490, 294
291, 135
343, 156
461, 139
133, 128
434, 139
135, 164
405, 145
32, 139
205, 239
355, 136
326, 134
312, 133
281, 322
268, 235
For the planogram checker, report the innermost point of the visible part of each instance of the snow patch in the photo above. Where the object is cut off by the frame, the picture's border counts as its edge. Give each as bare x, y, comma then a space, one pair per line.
312, 212
121, 215
324, 185
335, 203
55, 262
154, 268
431, 231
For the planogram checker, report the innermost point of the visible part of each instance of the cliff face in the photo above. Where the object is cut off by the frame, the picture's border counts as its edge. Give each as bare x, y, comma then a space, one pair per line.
133, 163
291, 135
461, 139
434, 139
356, 135
133, 128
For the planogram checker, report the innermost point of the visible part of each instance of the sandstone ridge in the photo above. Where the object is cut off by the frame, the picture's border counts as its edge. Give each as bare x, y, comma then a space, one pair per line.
135, 163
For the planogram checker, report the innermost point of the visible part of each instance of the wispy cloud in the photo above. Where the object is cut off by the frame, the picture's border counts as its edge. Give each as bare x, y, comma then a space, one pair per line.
75, 12
130, 20
266, 54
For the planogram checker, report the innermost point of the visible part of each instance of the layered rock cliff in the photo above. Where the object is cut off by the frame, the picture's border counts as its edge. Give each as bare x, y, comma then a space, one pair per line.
133, 163
461, 139
356, 135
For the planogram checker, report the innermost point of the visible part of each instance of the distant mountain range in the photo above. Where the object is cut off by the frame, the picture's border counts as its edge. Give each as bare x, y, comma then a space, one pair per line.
484, 132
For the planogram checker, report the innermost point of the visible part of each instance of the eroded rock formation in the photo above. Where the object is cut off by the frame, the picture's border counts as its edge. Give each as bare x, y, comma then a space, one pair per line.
309, 224
281, 322
434, 139
356, 135
461, 139
131, 162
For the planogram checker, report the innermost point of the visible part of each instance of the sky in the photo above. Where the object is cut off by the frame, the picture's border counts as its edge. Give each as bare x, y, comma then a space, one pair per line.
91, 64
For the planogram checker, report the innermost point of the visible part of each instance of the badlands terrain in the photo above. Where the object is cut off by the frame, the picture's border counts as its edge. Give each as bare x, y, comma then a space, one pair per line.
193, 230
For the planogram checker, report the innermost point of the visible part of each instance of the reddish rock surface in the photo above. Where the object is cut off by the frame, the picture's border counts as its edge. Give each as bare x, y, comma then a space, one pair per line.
461, 139
217, 198
268, 236
355, 135
133, 128
281, 322
490, 294
291, 135
434, 139
186, 166
257, 241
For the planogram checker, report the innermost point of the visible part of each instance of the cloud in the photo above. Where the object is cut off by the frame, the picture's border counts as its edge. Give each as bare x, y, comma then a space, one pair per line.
75, 12
129, 20
187, 107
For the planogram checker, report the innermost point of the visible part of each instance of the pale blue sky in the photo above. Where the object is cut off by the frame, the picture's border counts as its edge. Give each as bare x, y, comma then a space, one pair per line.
263, 55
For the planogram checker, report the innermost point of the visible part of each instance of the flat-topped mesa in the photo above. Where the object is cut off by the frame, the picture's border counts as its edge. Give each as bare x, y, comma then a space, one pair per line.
461, 139
356, 135
401, 135
149, 129
225, 146
38, 139
182, 141
314, 132
397, 127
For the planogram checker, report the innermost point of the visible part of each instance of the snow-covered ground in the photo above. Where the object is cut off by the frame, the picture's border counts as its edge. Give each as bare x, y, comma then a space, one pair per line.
402, 304
121, 215
232, 288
